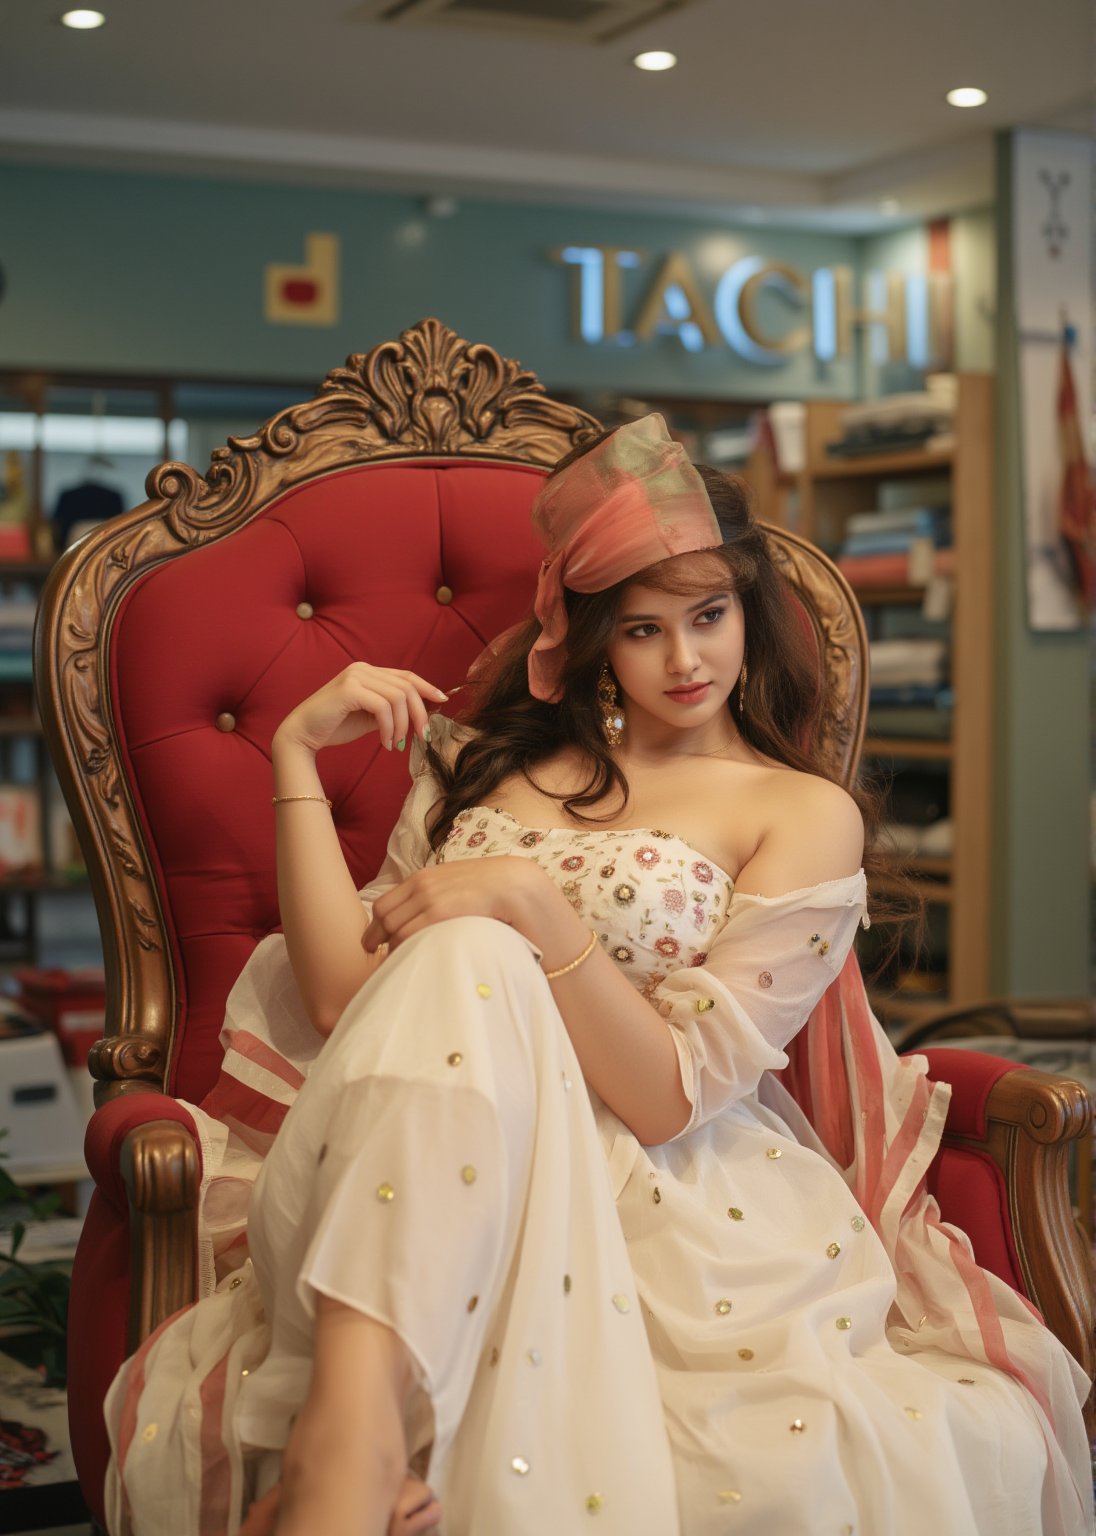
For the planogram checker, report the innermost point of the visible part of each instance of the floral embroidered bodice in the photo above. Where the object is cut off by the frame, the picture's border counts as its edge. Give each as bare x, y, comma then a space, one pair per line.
655, 902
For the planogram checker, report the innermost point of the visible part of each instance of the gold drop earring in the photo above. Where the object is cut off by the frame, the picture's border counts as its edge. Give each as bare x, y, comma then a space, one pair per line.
612, 716
742, 676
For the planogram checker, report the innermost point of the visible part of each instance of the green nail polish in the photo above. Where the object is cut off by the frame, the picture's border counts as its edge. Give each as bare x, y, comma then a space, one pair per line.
426, 735
401, 743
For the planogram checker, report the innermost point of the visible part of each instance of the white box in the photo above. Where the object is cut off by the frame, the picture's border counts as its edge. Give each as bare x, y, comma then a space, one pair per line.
788, 419
39, 1111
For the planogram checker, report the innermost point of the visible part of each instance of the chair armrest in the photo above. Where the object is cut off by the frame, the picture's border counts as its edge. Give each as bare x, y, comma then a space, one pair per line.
972, 1076
1025, 1120
111, 1124
143, 1152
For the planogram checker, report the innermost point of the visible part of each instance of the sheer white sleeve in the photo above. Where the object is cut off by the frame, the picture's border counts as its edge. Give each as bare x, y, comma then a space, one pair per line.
770, 964
409, 845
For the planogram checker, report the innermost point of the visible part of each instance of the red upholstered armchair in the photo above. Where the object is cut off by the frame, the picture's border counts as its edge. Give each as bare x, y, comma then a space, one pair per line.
387, 518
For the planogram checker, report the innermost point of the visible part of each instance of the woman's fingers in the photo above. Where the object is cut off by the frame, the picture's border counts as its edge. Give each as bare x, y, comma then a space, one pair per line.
361, 698
426, 1519
465, 888
416, 1509
263, 1514
422, 687
386, 923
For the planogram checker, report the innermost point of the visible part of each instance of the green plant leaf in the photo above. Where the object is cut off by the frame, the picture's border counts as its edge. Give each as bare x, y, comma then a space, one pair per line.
18, 1233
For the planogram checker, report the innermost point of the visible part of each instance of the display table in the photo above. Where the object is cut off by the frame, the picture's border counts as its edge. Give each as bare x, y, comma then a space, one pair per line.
38, 1487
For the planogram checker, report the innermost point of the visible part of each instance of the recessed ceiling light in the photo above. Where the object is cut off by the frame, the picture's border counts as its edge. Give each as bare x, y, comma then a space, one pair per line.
655, 59
967, 96
890, 205
83, 21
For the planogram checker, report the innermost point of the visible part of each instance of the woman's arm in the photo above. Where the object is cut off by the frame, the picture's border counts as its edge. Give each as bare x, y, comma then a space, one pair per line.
322, 915
625, 1050
624, 1046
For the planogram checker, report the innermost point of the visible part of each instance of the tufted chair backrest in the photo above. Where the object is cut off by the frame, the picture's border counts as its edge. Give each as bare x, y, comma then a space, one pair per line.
385, 520
412, 565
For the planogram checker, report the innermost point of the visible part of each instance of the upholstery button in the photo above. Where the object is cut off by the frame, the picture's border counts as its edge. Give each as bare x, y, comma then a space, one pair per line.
304, 610
444, 594
226, 722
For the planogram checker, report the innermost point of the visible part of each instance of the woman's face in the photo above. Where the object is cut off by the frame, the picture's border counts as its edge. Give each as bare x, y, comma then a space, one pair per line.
676, 656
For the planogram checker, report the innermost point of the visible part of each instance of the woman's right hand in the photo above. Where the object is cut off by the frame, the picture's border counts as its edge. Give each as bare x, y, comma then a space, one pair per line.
361, 699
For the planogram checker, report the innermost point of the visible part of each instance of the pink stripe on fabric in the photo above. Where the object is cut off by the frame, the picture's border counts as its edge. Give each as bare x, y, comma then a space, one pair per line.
829, 1080
973, 1278
251, 1048
135, 1385
232, 1104
872, 1129
254, 1139
905, 1143
216, 1469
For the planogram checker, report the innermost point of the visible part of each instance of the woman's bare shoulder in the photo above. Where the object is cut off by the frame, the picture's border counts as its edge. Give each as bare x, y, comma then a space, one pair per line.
812, 831
809, 792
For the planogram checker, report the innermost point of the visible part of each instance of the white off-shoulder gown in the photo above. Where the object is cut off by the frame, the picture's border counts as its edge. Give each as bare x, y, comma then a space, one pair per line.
704, 1337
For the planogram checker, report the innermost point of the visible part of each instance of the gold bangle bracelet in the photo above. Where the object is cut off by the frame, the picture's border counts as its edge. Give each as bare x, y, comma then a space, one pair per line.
281, 799
586, 953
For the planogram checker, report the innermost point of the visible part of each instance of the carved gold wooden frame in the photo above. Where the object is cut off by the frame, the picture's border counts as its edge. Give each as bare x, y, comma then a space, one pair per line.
1031, 1119
429, 394
842, 642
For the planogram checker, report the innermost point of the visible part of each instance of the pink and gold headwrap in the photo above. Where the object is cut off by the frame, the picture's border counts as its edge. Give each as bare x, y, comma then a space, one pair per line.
633, 500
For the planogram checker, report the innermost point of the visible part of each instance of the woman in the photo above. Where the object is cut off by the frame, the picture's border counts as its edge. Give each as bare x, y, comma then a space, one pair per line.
670, 1302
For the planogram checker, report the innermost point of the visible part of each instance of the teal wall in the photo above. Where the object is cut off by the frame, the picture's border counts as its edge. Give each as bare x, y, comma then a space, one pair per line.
1042, 883
116, 271
974, 266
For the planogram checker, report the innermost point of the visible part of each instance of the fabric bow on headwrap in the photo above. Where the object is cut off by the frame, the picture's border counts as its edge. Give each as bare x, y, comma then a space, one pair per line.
633, 500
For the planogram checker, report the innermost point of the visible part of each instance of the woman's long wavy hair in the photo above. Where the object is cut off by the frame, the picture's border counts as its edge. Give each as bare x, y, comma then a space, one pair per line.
514, 732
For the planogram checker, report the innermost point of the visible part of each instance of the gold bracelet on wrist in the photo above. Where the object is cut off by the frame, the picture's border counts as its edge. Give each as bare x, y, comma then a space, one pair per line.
281, 799
574, 965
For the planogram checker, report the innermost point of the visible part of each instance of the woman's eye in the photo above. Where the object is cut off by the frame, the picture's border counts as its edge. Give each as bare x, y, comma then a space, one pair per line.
710, 615
642, 631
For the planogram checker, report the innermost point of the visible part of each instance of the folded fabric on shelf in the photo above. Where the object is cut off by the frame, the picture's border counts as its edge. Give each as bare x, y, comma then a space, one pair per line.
866, 571
933, 841
870, 441
888, 695
927, 521
908, 661
918, 723
934, 406
890, 543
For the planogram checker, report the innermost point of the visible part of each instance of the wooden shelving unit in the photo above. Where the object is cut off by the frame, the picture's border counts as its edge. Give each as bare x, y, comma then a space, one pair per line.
817, 503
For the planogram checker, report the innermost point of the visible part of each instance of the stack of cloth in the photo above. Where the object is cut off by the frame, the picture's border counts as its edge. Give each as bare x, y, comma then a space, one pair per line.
898, 423
909, 672
16, 631
897, 549
918, 823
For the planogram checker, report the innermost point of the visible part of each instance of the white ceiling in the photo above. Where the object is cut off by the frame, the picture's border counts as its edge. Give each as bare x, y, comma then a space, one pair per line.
802, 110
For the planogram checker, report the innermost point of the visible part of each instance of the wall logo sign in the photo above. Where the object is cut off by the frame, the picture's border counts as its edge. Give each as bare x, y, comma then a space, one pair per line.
1055, 231
767, 312
308, 294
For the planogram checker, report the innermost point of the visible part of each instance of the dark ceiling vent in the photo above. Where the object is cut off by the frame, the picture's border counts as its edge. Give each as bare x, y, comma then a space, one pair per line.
575, 21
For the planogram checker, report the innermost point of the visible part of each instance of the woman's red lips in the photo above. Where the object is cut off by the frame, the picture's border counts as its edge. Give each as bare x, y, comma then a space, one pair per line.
689, 694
